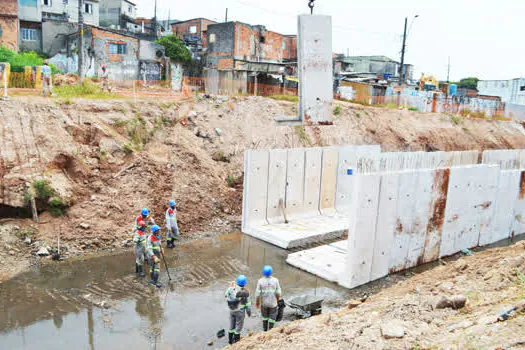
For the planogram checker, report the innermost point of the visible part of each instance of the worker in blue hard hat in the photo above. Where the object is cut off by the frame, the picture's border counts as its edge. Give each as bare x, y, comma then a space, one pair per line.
238, 298
145, 216
267, 295
171, 224
154, 251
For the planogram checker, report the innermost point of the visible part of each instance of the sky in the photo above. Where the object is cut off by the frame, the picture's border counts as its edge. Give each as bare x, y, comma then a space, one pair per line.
483, 39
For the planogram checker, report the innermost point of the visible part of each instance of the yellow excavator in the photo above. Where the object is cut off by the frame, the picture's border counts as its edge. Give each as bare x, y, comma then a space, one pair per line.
428, 83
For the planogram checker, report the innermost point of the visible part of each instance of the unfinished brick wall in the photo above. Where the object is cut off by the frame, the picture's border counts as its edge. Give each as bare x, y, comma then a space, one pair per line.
9, 32
290, 47
250, 42
200, 24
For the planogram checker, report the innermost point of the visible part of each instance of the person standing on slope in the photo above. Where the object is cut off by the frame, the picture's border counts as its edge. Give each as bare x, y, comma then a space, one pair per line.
171, 224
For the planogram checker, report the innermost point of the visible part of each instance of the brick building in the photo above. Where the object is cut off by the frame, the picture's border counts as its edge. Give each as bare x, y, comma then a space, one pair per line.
193, 33
9, 24
240, 56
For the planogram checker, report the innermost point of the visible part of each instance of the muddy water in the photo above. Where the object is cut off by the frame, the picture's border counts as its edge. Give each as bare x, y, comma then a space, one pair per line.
53, 307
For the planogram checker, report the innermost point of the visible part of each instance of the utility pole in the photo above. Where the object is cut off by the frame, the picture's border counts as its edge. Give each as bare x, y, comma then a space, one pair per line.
81, 40
226, 18
402, 67
155, 21
448, 70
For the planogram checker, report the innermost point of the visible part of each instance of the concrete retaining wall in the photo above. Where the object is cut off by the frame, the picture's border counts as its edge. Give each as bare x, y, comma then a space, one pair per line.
402, 219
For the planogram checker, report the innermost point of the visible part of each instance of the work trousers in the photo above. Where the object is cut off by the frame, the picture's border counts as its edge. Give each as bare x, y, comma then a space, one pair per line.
269, 314
237, 321
173, 232
140, 253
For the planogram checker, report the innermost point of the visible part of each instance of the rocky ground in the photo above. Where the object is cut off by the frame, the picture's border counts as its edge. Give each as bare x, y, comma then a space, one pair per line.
474, 302
106, 159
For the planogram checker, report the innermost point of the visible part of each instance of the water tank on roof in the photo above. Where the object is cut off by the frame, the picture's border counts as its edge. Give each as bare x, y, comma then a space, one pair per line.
452, 89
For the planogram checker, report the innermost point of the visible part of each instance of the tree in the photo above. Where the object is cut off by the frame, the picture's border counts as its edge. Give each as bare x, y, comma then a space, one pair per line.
175, 48
468, 83
19, 61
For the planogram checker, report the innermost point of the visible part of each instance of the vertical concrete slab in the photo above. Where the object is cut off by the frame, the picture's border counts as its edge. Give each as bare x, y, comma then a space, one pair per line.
404, 220
345, 182
329, 180
506, 159
314, 48
507, 195
470, 206
255, 192
391, 161
418, 227
518, 224
438, 206
295, 172
386, 225
362, 230
276, 185
312, 180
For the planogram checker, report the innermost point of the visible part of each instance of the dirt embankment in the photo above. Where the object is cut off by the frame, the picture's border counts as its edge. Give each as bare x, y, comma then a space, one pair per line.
108, 159
408, 315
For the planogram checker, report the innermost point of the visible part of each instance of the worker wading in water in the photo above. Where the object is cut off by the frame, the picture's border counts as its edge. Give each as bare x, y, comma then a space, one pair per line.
268, 294
144, 216
238, 298
154, 251
171, 224
139, 241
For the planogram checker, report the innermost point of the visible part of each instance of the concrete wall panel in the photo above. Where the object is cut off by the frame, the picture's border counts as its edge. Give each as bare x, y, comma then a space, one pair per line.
312, 180
329, 180
506, 159
255, 193
386, 225
518, 224
295, 181
507, 195
276, 185
361, 234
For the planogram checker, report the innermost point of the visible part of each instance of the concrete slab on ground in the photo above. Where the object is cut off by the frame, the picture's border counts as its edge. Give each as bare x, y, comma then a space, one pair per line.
327, 261
300, 231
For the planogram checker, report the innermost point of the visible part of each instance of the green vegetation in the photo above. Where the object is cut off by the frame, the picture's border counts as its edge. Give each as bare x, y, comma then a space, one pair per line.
43, 189
337, 110
358, 115
455, 119
233, 180
220, 157
128, 148
175, 48
289, 98
303, 136
138, 132
413, 109
87, 89
19, 61
468, 83
57, 207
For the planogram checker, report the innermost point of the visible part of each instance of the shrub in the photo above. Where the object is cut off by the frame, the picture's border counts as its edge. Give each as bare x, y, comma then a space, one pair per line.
57, 207
337, 110
43, 189
413, 109
19, 61
87, 89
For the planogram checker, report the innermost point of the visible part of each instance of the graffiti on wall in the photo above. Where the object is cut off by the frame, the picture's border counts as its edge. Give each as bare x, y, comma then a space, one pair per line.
176, 76
150, 71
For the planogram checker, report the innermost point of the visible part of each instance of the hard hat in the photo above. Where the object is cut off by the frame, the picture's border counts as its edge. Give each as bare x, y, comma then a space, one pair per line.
241, 280
267, 271
141, 223
173, 203
145, 212
103, 66
45, 62
155, 228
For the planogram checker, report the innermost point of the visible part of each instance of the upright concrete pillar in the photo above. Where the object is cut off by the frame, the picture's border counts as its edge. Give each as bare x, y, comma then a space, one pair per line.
314, 49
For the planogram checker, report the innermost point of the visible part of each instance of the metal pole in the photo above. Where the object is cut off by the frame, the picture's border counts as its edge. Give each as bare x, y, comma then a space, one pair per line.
226, 18
448, 70
402, 67
155, 20
80, 40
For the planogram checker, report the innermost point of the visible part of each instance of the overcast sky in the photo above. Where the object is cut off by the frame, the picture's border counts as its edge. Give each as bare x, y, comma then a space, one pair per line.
482, 38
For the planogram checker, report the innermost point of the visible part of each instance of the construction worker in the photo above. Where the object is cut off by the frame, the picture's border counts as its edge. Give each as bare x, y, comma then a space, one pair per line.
238, 298
104, 78
139, 241
154, 251
171, 224
45, 74
268, 294
144, 216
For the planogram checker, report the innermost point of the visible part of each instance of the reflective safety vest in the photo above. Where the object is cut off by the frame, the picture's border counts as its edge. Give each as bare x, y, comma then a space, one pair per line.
153, 246
171, 218
238, 298
268, 288
139, 238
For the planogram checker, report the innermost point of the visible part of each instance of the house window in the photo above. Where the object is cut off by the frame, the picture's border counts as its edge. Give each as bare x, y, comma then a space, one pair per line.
47, 3
130, 10
117, 49
522, 88
28, 34
193, 29
284, 45
212, 38
88, 8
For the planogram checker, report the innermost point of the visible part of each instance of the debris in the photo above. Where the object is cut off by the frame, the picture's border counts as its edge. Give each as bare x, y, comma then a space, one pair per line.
446, 286
392, 329
11, 252
210, 343
84, 226
352, 304
202, 134
43, 252
466, 251
456, 302
460, 325
218, 131
27, 241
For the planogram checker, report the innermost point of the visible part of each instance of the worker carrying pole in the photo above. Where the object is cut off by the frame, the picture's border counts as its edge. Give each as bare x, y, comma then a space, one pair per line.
171, 224
155, 252
238, 298
267, 295
139, 241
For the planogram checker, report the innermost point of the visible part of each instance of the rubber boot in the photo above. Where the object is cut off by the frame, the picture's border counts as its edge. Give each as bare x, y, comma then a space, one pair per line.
156, 280
230, 338
271, 325
136, 268
141, 274
237, 338
265, 326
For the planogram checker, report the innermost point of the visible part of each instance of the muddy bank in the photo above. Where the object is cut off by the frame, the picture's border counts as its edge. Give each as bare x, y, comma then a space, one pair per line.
105, 160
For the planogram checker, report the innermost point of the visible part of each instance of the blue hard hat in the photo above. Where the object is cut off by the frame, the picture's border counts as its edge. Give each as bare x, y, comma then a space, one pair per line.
155, 228
267, 271
173, 203
241, 280
145, 212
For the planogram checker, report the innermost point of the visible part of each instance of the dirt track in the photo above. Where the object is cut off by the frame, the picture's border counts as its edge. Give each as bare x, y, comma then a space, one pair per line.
111, 158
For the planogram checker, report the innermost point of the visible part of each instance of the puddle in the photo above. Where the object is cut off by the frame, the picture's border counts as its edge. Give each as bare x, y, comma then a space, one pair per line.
52, 307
